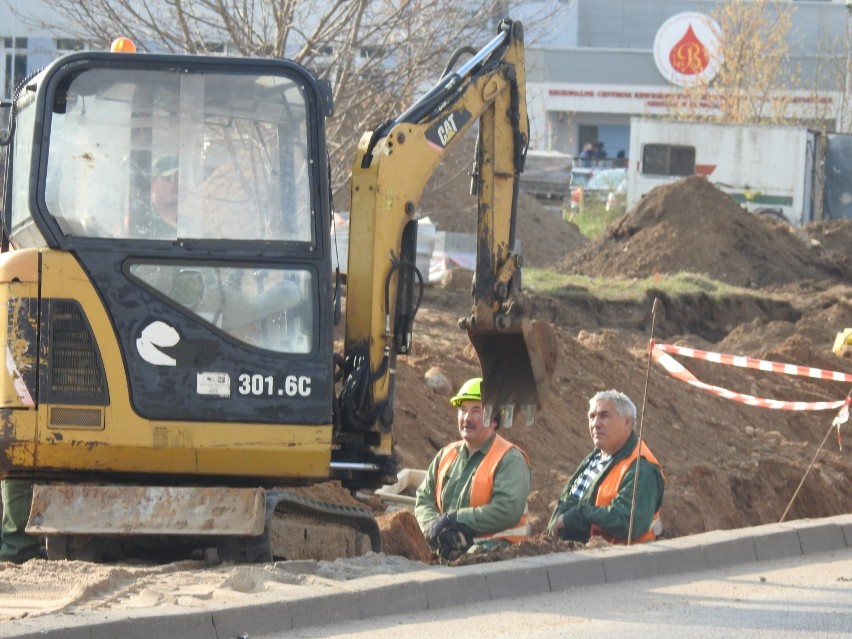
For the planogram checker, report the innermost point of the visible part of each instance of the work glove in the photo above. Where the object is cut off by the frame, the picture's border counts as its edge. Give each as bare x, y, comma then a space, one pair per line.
455, 538
438, 526
575, 525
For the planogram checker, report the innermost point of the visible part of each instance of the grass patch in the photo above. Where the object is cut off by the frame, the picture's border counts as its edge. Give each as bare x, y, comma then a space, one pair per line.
593, 219
620, 289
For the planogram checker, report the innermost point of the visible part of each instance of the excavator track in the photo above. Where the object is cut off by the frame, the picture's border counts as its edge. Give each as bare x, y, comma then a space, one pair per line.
284, 502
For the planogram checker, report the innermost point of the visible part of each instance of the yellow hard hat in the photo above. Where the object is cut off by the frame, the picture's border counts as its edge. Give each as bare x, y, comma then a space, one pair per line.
843, 342
470, 391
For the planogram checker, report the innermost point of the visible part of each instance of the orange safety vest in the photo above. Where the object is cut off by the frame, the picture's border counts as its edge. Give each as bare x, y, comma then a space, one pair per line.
608, 489
483, 485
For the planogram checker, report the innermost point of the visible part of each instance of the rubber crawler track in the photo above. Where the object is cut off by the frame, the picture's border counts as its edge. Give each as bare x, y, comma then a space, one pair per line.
355, 517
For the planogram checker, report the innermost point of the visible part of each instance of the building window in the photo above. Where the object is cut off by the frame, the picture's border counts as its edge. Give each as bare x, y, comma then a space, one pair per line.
667, 159
69, 44
210, 47
15, 43
370, 51
16, 71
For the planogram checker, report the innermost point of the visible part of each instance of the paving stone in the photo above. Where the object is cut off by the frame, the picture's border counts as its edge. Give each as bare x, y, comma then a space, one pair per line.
675, 556
518, 576
819, 535
572, 570
251, 621
845, 523
726, 548
775, 541
456, 588
321, 611
393, 598
624, 563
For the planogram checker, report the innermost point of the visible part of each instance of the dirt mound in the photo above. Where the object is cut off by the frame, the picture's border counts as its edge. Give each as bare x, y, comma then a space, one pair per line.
401, 536
545, 238
692, 226
728, 465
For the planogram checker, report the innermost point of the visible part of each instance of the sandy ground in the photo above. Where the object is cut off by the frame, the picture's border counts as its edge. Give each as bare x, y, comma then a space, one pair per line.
40, 587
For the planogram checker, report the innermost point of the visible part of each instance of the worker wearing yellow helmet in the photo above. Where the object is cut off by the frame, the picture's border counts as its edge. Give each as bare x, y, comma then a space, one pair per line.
475, 491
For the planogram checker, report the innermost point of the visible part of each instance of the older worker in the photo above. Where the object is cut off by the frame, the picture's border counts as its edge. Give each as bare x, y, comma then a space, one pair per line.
598, 498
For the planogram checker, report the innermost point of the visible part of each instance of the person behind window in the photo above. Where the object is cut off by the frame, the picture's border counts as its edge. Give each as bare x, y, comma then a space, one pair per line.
600, 154
587, 155
160, 219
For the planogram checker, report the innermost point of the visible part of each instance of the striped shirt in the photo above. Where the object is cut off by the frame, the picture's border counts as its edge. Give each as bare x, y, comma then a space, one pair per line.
597, 465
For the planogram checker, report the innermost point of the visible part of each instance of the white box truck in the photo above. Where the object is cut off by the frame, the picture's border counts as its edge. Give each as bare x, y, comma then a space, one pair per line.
768, 168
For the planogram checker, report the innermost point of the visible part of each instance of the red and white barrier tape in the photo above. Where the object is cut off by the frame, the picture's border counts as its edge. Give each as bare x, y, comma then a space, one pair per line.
842, 416
759, 364
676, 370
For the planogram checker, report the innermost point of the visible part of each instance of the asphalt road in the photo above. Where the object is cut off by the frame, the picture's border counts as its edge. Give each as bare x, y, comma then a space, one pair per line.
801, 597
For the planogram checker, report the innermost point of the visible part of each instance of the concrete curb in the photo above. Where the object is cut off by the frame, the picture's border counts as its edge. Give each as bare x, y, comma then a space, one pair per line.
440, 587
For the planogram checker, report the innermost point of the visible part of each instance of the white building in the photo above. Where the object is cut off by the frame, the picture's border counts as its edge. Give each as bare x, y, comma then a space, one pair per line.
23, 47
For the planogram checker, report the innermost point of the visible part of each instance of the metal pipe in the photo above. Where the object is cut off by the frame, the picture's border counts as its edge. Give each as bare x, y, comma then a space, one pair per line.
487, 50
353, 466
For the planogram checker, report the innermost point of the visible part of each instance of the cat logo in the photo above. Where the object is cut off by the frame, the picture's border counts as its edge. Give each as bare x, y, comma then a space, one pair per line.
448, 129
161, 345
440, 134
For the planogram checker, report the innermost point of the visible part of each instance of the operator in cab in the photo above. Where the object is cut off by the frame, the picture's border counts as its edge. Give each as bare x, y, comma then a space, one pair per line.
475, 492
160, 220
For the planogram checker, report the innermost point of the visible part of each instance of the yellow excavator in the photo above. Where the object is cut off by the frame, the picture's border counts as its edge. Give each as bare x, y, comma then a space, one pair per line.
169, 298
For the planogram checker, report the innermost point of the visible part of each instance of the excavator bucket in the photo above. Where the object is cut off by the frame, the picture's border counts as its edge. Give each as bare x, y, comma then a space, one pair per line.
517, 366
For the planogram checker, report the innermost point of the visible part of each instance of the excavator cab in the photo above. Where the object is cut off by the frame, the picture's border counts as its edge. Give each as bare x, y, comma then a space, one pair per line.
173, 213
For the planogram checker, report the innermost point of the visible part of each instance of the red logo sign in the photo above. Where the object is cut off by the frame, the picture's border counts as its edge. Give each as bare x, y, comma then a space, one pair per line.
687, 49
689, 56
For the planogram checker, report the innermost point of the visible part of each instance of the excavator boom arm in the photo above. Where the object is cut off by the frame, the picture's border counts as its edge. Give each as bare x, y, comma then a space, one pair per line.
392, 167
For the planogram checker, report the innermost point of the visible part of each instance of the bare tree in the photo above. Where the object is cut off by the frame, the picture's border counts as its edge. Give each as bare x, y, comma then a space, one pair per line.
377, 54
754, 82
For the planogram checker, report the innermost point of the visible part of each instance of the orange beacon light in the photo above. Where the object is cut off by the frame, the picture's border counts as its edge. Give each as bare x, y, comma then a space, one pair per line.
122, 45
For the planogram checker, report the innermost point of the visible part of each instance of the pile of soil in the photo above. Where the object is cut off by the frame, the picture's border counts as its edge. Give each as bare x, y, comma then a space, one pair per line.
692, 226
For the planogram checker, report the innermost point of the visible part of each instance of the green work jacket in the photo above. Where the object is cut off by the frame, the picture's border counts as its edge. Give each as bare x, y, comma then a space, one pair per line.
508, 497
581, 514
